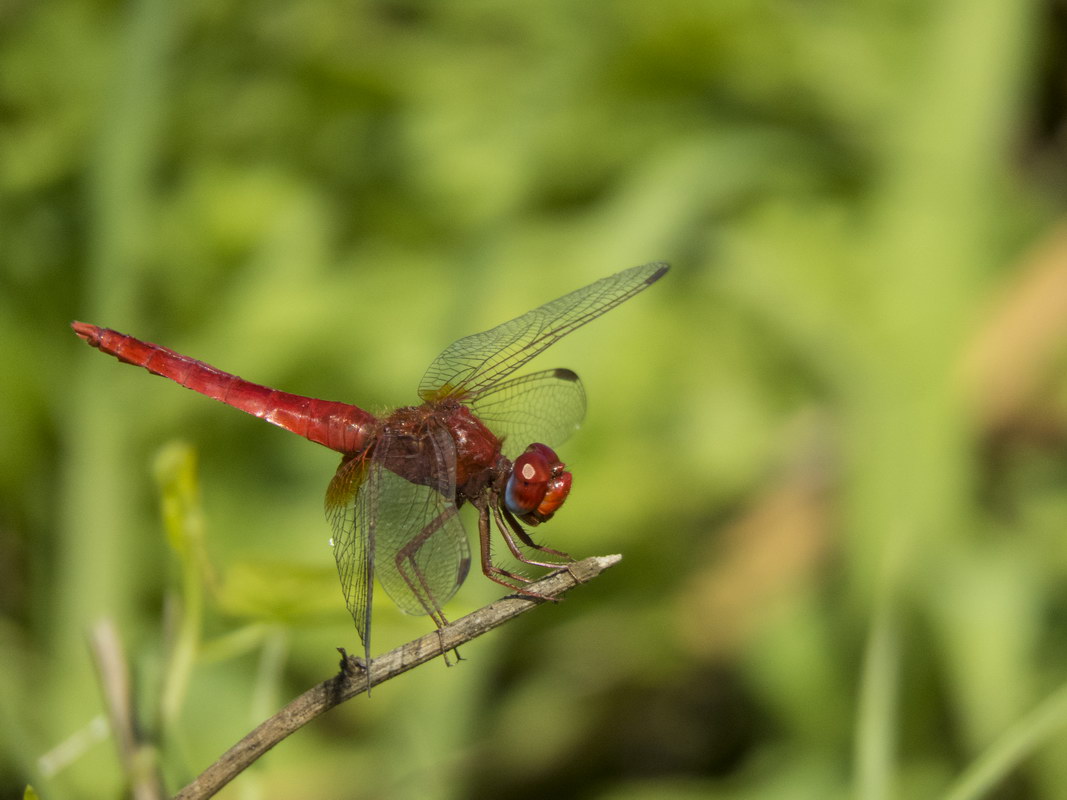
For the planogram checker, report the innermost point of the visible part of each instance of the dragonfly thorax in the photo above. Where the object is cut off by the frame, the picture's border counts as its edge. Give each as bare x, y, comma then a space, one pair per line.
413, 441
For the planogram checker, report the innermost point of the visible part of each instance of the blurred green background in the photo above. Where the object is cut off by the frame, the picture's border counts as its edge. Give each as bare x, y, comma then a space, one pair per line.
830, 443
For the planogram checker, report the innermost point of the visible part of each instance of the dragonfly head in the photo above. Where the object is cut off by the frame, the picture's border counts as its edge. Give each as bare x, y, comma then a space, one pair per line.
537, 486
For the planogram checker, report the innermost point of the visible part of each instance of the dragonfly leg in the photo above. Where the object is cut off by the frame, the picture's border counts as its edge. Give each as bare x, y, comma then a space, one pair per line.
503, 516
350, 665
491, 570
510, 542
405, 560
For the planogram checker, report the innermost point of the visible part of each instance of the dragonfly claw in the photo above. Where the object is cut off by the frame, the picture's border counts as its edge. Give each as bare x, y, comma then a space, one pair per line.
538, 596
351, 665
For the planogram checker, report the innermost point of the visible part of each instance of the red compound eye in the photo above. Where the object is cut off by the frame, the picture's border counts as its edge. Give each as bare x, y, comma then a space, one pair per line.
538, 484
558, 489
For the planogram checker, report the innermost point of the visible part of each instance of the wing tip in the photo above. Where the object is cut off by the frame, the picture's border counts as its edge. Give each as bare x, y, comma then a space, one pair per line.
661, 269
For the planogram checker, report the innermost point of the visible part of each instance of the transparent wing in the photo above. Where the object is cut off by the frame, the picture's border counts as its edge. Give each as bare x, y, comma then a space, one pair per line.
474, 363
350, 509
542, 407
421, 554
407, 534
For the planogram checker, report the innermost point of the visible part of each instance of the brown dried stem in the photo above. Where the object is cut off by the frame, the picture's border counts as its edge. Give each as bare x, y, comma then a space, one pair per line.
352, 680
137, 756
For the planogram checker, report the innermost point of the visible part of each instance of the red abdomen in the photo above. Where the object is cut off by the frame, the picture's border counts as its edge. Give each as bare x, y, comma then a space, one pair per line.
339, 426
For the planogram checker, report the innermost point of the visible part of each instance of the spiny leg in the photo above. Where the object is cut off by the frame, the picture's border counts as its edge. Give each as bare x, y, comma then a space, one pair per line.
527, 540
423, 592
504, 520
491, 570
407, 554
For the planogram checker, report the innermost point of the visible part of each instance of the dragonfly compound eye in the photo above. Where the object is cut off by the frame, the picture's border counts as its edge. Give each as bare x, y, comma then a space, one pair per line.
538, 484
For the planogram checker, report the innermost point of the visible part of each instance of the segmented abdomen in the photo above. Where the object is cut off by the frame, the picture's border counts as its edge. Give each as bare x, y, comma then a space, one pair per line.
338, 426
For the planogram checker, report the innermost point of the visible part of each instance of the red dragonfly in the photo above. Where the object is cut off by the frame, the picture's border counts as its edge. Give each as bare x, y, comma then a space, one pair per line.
394, 501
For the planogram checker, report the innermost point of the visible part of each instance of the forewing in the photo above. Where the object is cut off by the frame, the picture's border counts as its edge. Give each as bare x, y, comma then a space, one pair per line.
544, 407
421, 551
474, 363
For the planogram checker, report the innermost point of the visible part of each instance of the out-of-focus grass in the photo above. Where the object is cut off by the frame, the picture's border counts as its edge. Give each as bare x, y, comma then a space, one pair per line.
830, 443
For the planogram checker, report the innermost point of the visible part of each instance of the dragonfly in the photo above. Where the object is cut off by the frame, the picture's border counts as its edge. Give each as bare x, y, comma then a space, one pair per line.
481, 436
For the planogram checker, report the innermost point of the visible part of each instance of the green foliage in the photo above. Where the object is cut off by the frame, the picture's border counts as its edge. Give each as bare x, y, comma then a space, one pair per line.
829, 443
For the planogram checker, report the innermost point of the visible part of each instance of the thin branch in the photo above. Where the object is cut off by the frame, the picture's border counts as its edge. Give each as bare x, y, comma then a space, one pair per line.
352, 679
137, 757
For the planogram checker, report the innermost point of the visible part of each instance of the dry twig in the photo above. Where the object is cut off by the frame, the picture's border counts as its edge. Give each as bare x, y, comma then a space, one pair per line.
352, 680
138, 757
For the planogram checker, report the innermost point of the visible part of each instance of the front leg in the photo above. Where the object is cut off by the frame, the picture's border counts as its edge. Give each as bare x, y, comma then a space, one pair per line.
491, 570
509, 521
